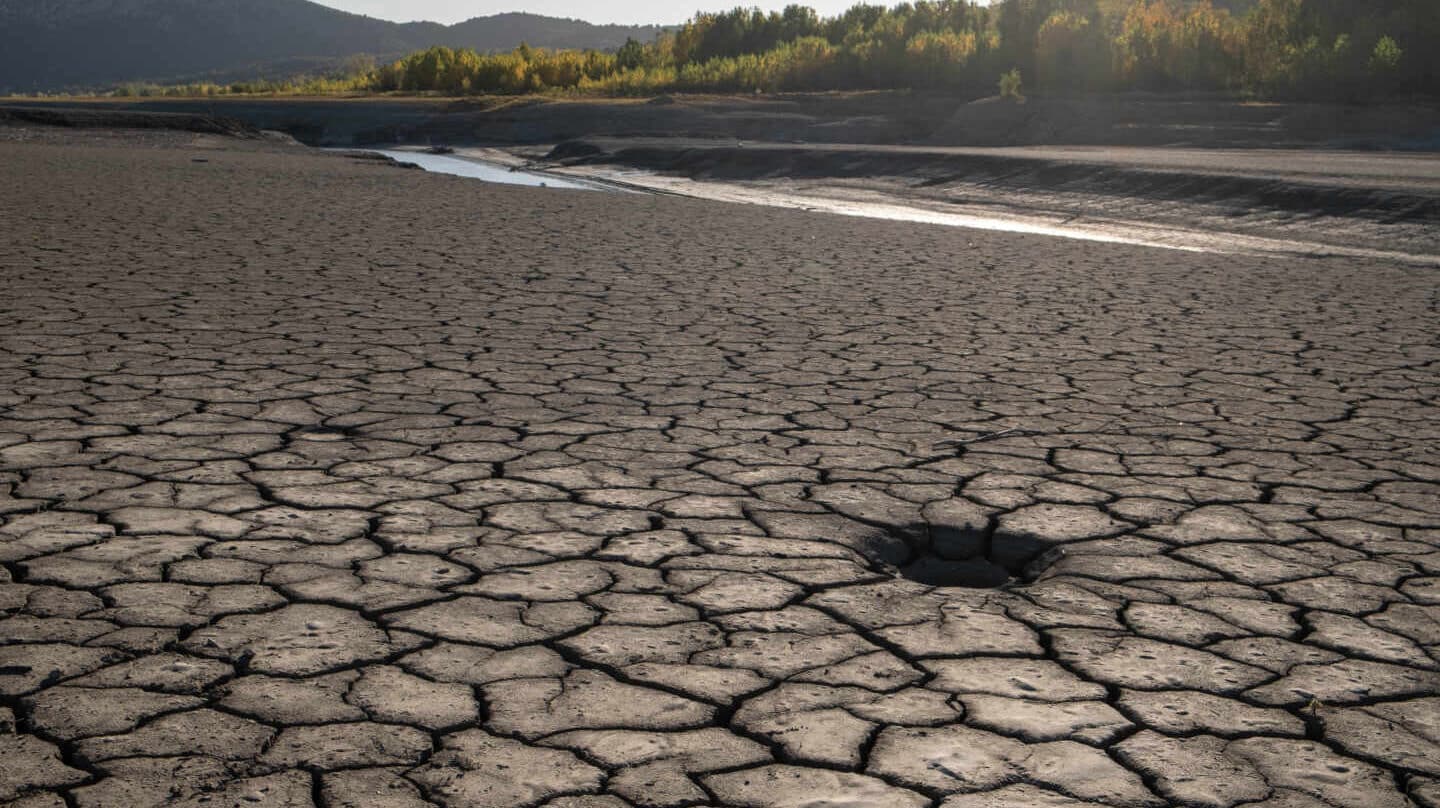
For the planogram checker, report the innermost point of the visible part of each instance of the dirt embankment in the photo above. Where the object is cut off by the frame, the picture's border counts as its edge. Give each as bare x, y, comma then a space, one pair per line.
975, 174
1200, 121
110, 118
871, 118
831, 118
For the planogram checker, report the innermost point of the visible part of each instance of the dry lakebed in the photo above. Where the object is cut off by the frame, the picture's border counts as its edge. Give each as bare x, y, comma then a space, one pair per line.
324, 483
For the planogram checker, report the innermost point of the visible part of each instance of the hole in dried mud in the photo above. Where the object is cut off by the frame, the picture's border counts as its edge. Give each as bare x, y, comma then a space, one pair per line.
973, 573
321, 433
947, 556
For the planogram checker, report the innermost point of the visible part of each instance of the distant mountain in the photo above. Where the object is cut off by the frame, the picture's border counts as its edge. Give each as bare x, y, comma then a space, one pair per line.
505, 31
57, 44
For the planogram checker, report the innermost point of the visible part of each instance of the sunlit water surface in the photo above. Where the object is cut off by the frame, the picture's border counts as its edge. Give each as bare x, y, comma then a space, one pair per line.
481, 170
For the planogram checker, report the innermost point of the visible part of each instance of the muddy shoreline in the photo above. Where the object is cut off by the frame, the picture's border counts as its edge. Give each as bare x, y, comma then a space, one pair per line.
881, 117
1360, 201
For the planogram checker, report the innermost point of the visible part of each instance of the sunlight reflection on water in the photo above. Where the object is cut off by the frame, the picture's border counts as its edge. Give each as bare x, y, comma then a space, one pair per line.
476, 169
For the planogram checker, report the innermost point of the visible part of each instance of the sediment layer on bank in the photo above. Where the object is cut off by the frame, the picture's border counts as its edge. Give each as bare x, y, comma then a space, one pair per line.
870, 117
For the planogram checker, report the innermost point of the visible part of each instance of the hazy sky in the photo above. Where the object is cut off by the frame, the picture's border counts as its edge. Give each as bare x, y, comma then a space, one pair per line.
621, 11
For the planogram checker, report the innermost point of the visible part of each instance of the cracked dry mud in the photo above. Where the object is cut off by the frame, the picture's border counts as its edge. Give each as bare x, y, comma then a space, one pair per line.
323, 483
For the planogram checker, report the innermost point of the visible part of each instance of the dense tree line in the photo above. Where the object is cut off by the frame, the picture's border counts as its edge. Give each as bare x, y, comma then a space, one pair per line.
1269, 48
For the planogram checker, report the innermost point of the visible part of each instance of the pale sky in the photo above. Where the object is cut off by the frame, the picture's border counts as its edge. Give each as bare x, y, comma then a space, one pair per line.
630, 12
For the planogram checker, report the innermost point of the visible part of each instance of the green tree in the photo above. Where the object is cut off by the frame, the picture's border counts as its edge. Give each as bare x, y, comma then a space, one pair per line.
630, 55
1071, 53
1019, 24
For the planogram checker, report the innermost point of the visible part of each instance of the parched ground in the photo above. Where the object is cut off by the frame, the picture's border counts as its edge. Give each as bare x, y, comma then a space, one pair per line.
326, 483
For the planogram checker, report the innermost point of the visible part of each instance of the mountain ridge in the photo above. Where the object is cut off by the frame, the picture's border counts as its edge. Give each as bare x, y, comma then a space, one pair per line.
50, 45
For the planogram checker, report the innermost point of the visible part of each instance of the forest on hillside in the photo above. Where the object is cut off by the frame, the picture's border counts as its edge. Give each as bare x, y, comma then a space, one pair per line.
1308, 49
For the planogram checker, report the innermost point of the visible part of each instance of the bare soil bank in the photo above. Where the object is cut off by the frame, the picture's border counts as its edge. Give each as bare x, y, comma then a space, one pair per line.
1374, 201
873, 117
110, 118
1385, 198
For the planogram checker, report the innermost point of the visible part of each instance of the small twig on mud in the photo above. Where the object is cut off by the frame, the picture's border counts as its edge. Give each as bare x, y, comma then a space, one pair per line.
987, 436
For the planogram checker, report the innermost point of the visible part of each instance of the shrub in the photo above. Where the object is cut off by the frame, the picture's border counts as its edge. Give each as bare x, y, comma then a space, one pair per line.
1386, 56
1010, 85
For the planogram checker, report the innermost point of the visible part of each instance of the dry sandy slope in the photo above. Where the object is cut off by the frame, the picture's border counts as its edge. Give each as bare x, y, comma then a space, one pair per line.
325, 482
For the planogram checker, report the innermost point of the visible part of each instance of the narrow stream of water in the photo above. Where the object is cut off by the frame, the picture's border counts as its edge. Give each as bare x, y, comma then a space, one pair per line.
481, 170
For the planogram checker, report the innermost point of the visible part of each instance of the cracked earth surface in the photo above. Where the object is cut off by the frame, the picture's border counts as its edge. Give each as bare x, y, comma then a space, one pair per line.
328, 484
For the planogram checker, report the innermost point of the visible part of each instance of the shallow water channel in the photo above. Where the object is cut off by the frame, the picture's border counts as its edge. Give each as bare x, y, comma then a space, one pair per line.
482, 170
